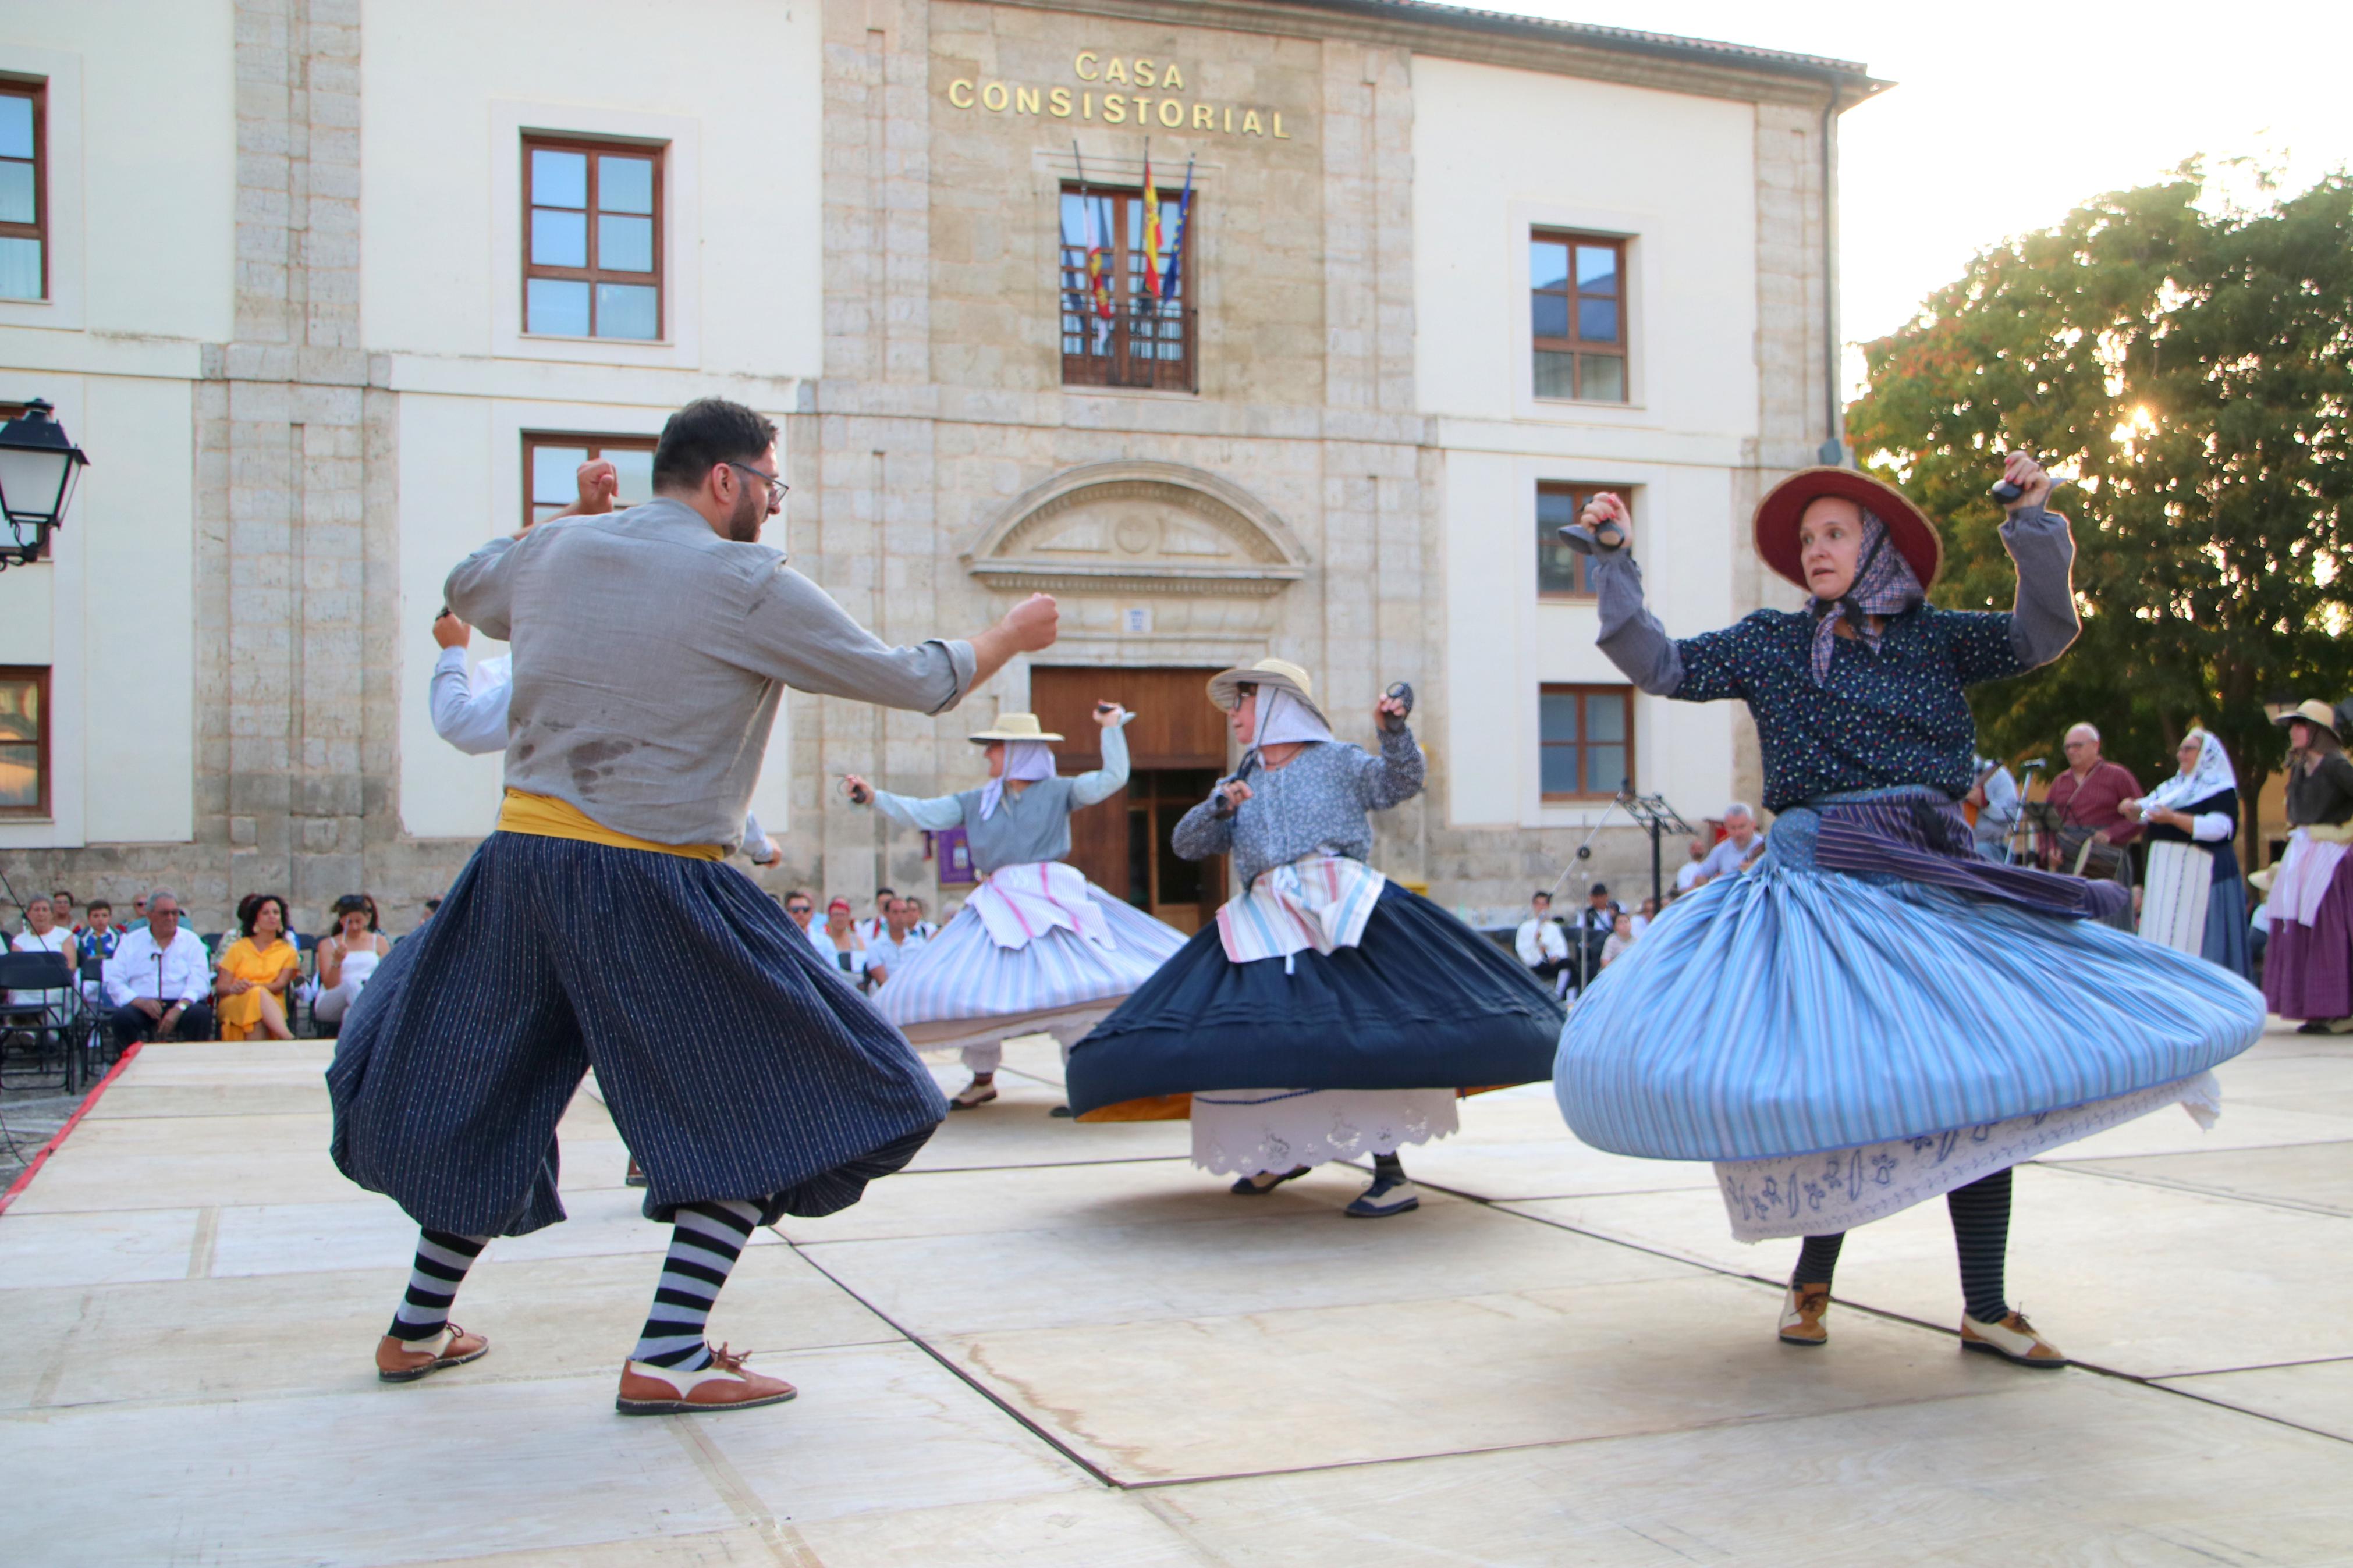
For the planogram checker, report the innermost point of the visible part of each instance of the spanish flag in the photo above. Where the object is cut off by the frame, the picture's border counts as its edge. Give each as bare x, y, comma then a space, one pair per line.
1153, 247
1098, 286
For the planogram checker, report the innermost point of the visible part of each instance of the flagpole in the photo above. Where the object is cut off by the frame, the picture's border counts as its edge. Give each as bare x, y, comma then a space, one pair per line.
1087, 205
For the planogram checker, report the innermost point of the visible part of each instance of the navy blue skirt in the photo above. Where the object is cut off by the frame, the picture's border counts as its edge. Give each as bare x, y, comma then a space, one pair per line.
1422, 1002
735, 1063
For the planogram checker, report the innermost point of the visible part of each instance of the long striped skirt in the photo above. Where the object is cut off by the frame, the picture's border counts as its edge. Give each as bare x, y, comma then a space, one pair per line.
734, 1062
962, 989
1845, 1044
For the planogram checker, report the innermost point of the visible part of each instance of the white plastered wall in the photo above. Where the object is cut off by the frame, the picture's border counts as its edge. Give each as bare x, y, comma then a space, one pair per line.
1496, 154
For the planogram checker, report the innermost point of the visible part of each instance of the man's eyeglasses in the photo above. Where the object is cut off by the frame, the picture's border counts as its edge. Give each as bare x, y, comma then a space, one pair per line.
776, 486
797, 909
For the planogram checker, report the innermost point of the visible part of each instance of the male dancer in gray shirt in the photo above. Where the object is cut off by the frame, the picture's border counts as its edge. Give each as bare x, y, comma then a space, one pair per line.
650, 649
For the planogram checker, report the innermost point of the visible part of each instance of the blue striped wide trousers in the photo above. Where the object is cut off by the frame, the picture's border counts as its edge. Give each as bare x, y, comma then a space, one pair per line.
734, 1063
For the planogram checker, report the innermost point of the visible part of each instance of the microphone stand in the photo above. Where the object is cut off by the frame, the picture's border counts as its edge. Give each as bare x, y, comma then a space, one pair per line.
2026, 771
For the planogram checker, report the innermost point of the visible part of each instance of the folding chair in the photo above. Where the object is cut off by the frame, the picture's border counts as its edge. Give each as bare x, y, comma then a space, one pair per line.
49, 1027
300, 1019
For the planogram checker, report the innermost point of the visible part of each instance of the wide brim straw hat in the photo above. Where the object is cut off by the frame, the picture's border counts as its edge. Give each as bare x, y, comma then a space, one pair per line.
2312, 711
1013, 727
1908, 528
1281, 674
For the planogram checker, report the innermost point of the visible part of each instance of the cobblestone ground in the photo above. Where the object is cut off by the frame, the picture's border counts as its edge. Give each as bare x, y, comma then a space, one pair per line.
1062, 1346
28, 1119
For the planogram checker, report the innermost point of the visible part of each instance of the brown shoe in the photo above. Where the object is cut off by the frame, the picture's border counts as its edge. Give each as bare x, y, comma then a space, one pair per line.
1801, 1315
405, 1361
2015, 1340
724, 1384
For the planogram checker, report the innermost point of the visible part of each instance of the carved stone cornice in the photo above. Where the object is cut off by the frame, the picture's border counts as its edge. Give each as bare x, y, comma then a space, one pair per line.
1133, 528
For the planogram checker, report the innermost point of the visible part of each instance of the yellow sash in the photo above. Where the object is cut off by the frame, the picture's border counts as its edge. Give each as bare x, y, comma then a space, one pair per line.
545, 816
2329, 832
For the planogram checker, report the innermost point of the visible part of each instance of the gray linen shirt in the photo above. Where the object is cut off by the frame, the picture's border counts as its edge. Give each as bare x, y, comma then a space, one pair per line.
1024, 829
1317, 802
649, 654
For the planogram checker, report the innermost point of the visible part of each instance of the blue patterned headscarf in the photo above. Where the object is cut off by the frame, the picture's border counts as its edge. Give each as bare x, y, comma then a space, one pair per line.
1884, 584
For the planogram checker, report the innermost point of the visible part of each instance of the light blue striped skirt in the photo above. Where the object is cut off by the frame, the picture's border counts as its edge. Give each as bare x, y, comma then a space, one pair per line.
1794, 1010
961, 988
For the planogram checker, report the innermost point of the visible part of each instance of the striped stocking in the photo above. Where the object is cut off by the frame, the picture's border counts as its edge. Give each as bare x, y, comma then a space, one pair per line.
442, 1260
703, 1247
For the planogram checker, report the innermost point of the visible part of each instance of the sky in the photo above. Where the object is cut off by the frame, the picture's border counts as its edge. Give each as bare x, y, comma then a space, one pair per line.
2006, 115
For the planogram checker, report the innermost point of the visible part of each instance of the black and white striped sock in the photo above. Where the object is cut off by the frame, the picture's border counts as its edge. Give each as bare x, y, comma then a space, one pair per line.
442, 1260
1980, 1213
703, 1245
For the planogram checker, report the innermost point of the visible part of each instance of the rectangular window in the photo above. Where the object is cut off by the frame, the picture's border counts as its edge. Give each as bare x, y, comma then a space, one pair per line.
1560, 570
592, 264
1587, 737
23, 192
1126, 322
551, 469
1576, 297
23, 741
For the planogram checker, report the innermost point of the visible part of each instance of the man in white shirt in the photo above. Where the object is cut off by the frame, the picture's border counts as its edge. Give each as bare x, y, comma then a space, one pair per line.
899, 941
1743, 843
872, 927
158, 978
1995, 795
1542, 946
803, 909
1688, 877
917, 923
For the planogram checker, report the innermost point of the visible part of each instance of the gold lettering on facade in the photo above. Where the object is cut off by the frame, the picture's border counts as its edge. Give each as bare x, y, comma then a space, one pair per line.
1205, 118
1057, 103
1279, 133
1229, 120
1171, 78
960, 85
1143, 72
1115, 110
1251, 126
1116, 70
1172, 114
1086, 106
995, 96
1025, 99
1083, 67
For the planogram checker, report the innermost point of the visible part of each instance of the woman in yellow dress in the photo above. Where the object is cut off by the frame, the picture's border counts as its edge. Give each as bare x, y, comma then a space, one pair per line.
256, 971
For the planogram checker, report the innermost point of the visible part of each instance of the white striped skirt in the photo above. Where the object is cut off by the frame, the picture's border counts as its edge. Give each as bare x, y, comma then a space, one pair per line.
962, 989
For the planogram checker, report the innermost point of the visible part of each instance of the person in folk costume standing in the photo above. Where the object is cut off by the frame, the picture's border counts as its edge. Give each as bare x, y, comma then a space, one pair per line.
1911, 1021
2308, 955
652, 649
2191, 899
1328, 1013
1038, 949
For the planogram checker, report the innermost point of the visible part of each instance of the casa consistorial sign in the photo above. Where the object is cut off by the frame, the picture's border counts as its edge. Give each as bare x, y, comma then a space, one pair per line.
1120, 89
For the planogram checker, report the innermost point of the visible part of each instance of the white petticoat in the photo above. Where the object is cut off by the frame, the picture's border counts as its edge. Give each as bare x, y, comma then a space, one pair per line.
1243, 1132
1832, 1191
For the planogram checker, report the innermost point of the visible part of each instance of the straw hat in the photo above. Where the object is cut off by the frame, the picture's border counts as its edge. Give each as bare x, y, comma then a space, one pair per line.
1908, 528
2312, 711
1226, 686
1013, 727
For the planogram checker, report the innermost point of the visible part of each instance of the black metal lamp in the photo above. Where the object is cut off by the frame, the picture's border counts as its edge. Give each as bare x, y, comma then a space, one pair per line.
39, 466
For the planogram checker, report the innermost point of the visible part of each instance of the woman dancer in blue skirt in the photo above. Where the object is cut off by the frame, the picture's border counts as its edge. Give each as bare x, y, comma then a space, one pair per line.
1038, 949
1875, 1015
1328, 1012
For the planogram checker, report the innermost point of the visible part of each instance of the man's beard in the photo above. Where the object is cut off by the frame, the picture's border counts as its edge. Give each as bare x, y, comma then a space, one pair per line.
751, 511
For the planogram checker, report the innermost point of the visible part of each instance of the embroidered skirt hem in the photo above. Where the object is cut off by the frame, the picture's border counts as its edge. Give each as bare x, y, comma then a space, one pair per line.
1241, 1133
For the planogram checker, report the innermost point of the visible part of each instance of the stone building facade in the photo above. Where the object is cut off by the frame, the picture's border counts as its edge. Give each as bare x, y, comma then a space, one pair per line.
334, 397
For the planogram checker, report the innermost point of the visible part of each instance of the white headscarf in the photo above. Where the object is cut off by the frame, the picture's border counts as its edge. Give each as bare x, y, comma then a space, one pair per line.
2211, 776
1283, 719
1026, 760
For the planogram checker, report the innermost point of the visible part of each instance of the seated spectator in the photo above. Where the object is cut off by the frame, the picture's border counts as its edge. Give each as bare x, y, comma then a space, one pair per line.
137, 913
100, 936
432, 908
1687, 878
256, 970
1621, 937
918, 924
157, 980
1648, 913
1743, 843
838, 944
803, 909
899, 941
874, 925
347, 958
1542, 946
42, 933
62, 910
1589, 933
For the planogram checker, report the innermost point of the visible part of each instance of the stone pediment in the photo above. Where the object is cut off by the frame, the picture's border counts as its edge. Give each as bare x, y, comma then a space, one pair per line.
1133, 528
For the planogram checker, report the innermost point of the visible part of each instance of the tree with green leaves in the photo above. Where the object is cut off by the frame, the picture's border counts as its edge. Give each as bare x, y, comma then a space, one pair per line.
2192, 362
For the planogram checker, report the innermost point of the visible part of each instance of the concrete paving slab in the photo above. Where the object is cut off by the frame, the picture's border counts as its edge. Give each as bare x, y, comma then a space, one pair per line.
2061, 1471
2173, 1131
48, 1252
1348, 1384
212, 1099
2315, 1394
2101, 1264
1059, 1197
1148, 1271
1015, 1130
2316, 1177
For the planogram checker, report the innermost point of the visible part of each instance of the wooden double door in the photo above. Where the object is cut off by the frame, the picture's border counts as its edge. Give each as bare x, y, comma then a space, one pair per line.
1178, 747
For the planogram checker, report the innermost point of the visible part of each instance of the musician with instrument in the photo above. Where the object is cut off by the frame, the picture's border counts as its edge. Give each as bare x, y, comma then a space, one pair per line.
1328, 1013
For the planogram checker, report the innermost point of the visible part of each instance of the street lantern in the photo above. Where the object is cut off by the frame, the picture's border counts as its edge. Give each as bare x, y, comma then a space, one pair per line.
39, 465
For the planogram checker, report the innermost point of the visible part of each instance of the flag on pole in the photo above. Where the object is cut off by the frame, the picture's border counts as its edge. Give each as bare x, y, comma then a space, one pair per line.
1098, 285
1171, 277
1151, 244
